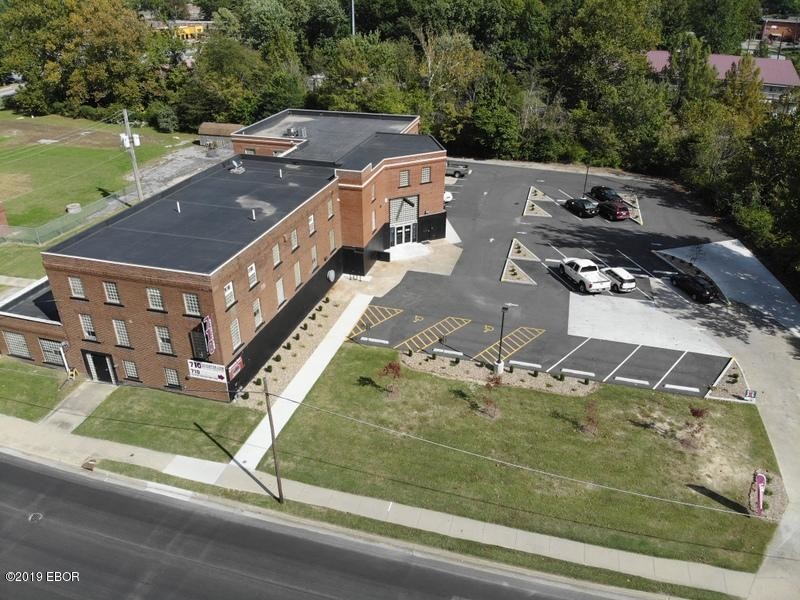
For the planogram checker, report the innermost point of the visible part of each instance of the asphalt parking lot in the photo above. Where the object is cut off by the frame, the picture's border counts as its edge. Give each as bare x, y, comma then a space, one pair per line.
549, 326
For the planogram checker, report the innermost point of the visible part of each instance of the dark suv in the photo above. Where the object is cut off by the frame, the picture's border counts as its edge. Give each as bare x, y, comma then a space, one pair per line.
457, 169
698, 289
602, 193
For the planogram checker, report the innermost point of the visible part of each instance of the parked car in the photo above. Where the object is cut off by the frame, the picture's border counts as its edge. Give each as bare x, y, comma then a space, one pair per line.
698, 289
585, 274
448, 197
457, 169
621, 280
614, 211
583, 207
602, 193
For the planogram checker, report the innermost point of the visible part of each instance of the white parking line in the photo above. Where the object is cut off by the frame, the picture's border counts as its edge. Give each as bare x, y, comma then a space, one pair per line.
576, 372
635, 350
568, 355
629, 380
680, 388
557, 250
634, 262
675, 364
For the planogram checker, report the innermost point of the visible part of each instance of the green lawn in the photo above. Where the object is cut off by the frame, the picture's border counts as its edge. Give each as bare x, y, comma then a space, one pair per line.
27, 391
542, 431
171, 422
39, 180
380, 528
20, 260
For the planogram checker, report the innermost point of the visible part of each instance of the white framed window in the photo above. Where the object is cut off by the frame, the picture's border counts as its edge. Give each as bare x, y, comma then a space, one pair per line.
163, 340
154, 299
279, 291
51, 352
191, 303
76, 287
252, 276
404, 178
121, 331
130, 369
330, 207
332, 240
295, 243
297, 277
313, 258
112, 292
230, 295
87, 325
311, 227
257, 318
373, 219
236, 334
171, 377
425, 176
276, 255
17, 344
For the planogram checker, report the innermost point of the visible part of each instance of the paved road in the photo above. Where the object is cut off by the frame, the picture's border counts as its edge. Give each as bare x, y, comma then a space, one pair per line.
128, 544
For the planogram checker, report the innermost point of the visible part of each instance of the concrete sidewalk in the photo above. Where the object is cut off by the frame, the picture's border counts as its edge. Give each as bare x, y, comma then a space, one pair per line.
50, 443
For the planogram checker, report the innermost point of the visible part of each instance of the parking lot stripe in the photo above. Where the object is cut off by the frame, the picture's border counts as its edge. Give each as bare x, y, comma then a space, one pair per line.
374, 315
513, 342
629, 380
680, 388
568, 355
634, 262
623, 362
430, 335
675, 364
576, 372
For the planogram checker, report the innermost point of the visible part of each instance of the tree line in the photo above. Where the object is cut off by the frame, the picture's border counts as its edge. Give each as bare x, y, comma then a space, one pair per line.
541, 80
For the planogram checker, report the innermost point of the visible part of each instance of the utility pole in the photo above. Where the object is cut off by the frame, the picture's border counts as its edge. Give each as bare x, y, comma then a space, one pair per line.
272, 435
129, 143
353, 17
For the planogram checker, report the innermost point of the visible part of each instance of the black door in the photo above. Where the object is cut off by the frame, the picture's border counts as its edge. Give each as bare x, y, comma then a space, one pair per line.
101, 364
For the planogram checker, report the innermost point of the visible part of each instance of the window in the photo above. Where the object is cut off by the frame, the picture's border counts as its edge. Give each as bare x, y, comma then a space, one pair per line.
230, 296
276, 255
257, 313
51, 352
252, 276
130, 369
154, 299
236, 335
426, 175
313, 258
16, 344
279, 291
87, 325
121, 332
112, 293
171, 377
330, 208
295, 243
332, 240
373, 219
164, 341
297, 278
192, 304
76, 287
404, 179
311, 226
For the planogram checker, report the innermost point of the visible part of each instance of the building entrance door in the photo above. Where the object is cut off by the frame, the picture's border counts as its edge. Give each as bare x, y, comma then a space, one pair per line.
99, 366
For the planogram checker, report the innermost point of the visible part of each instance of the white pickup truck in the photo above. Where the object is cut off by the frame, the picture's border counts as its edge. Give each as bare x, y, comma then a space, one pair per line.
585, 274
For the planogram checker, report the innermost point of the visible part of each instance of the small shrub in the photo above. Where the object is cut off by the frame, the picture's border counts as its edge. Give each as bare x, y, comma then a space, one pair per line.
277, 358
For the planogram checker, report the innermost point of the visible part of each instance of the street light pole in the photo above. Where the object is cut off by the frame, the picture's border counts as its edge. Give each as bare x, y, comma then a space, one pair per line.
499, 364
272, 435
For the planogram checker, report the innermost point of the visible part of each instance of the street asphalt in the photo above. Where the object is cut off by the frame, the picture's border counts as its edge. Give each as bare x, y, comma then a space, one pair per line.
465, 307
111, 541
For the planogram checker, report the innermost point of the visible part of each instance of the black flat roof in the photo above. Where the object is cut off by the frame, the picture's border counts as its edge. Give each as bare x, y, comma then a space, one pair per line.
387, 145
37, 302
215, 219
328, 135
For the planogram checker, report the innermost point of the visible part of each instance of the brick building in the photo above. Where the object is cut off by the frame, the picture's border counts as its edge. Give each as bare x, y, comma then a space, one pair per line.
196, 287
